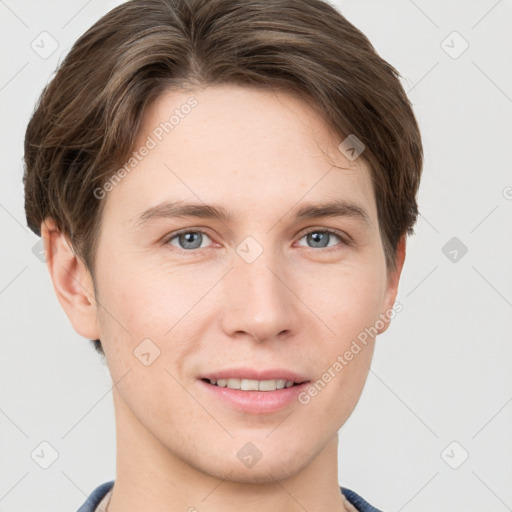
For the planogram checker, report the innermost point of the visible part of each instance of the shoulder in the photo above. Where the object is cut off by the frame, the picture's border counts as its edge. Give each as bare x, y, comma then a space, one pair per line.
95, 497
100, 492
357, 501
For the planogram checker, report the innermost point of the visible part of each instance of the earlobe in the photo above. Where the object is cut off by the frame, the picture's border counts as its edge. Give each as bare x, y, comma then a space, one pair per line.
392, 283
72, 281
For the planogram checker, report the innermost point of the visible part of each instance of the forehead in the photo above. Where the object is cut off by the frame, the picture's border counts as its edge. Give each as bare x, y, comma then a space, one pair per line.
243, 147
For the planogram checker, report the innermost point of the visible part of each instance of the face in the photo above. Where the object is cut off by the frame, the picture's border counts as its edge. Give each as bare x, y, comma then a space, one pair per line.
260, 289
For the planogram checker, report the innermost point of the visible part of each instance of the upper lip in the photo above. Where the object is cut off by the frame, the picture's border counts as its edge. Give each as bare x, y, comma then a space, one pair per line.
253, 374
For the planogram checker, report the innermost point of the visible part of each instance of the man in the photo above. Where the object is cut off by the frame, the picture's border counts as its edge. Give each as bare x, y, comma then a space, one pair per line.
224, 189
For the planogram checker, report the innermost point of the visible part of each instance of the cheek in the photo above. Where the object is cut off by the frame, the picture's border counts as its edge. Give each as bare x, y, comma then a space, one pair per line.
149, 310
349, 305
348, 300
150, 301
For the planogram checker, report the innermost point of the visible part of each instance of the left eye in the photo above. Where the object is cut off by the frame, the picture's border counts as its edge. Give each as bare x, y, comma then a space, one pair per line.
190, 240
320, 237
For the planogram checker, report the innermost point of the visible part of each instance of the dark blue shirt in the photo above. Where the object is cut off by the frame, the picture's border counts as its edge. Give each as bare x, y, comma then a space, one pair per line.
97, 495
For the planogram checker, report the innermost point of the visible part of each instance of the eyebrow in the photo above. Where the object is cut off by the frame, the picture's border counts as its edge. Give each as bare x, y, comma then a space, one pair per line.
170, 209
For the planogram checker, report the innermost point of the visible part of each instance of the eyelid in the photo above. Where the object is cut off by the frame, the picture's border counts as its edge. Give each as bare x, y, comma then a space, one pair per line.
344, 237
170, 236
345, 240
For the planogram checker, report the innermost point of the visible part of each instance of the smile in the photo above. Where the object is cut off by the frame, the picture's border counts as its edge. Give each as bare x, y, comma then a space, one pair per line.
251, 384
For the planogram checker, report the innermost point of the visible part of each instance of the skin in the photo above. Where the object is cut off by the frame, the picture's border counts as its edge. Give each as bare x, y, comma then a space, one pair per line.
297, 306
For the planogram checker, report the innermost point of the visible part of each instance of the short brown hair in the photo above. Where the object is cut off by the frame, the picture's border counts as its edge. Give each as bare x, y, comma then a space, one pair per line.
88, 117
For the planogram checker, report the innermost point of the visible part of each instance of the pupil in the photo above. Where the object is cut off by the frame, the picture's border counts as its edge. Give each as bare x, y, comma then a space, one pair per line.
316, 238
189, 239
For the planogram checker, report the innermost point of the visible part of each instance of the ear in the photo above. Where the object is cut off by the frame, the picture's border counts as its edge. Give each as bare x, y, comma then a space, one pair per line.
72, 281
392, 284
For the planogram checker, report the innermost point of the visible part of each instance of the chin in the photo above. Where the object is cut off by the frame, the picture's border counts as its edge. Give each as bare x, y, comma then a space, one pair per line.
262, 472
275, 466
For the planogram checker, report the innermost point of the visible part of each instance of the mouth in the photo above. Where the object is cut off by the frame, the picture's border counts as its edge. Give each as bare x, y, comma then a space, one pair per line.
254, 390
253, 384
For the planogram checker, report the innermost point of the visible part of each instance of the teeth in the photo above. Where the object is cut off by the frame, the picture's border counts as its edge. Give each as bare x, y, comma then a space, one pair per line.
253, 385
249, 385
233, 383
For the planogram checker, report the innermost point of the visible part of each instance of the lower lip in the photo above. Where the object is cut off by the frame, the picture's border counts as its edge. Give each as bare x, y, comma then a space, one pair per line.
256, 402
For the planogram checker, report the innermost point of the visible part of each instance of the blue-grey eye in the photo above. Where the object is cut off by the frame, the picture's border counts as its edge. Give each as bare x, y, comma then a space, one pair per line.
319, 239
188, 240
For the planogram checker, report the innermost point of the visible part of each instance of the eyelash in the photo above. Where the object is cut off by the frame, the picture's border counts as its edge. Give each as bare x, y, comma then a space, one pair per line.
344, 239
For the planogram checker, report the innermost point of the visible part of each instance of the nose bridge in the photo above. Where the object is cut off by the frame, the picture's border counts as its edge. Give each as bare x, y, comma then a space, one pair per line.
257, 300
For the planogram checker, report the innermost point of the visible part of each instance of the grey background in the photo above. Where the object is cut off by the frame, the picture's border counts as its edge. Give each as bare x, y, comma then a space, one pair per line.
441, 373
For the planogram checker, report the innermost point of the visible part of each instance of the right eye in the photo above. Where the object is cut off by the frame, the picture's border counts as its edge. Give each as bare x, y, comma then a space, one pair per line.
186, 240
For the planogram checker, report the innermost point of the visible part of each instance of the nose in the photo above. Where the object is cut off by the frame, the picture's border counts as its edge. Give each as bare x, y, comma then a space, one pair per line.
259, 301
